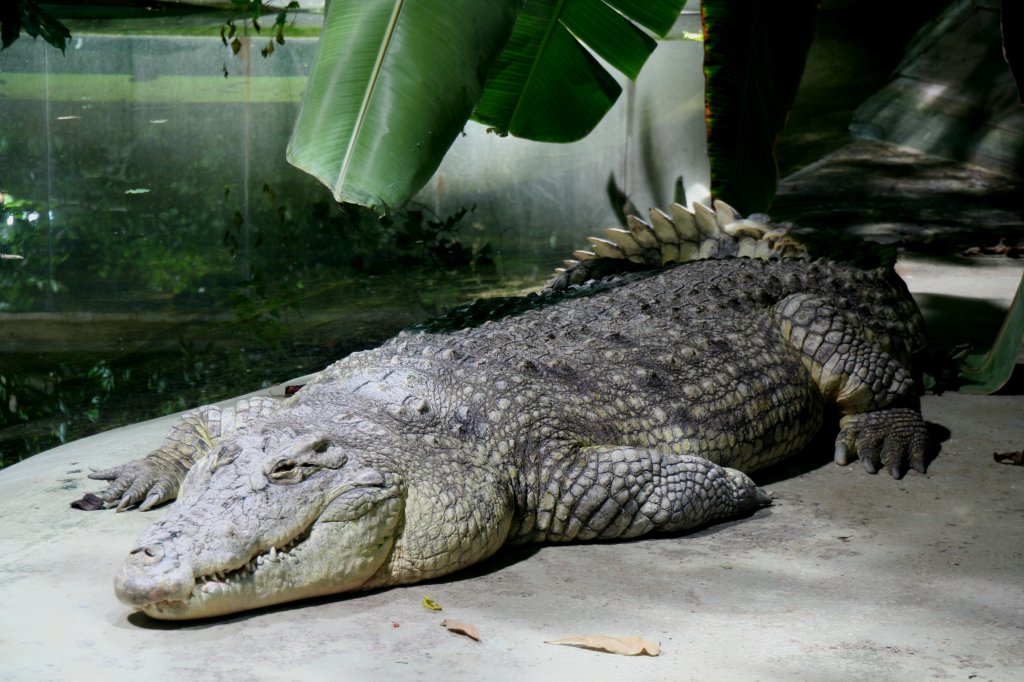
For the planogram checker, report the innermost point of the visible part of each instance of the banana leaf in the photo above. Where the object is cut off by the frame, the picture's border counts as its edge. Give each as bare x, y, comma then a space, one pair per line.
754, 56
546, 85
393, 84
989, 372
396, 80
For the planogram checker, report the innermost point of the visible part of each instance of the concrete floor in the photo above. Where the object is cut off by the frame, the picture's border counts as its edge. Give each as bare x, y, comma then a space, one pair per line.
846, 577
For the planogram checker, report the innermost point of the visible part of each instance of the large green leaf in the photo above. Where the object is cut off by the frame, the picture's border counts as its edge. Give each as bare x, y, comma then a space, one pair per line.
547, 86
988, 373
393, 85
395, 81
754, 55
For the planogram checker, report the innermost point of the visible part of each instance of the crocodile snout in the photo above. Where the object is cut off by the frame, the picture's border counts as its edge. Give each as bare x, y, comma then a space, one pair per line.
149, 575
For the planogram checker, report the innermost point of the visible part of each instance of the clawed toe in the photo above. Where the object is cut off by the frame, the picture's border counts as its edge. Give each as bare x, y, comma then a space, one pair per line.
893, 440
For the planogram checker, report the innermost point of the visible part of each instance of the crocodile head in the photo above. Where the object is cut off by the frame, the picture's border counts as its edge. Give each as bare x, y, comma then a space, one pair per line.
258, 522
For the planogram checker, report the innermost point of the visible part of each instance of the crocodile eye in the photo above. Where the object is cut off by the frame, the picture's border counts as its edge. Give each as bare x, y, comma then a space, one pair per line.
284, 468
291, 471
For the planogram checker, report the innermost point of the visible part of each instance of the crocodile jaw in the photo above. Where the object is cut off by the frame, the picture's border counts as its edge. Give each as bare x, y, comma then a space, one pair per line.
324, 561
238, 540
328, 558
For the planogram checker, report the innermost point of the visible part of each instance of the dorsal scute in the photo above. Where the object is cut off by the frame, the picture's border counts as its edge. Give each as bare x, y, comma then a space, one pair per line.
681, 235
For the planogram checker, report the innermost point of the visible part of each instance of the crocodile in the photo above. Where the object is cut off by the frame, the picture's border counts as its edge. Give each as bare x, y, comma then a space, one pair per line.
633, 404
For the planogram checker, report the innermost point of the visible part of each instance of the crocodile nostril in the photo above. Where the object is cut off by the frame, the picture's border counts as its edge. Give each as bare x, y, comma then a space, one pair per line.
148, 554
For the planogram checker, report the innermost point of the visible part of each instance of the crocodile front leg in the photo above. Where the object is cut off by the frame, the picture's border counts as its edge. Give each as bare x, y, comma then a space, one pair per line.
881, 421
619, 492
156, 478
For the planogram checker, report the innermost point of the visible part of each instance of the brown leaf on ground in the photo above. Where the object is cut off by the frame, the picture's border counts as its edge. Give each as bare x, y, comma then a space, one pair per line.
624, 646
1000, 249
88, 503
1016, 458
460, 628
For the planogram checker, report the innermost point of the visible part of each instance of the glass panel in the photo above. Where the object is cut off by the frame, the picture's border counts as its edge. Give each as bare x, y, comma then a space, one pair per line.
171, 256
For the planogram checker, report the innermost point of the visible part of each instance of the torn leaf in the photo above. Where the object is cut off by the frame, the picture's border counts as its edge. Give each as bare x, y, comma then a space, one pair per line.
624, 646
431, 605
460, 628
1015, 458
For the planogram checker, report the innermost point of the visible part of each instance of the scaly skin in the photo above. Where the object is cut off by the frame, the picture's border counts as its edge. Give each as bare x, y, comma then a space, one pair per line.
628, 411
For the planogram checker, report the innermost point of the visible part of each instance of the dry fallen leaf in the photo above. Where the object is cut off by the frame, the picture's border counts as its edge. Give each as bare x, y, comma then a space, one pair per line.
1015, 458
458, 627
89, 503
431, 605
624, 646
1000, 249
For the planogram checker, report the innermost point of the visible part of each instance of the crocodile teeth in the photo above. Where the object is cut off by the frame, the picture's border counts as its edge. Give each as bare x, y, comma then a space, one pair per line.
273, 555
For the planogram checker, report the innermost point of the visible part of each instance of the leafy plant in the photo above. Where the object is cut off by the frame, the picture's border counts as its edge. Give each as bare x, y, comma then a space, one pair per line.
68, 399
27, 283
396, 80
254, 11
26, 15
988, 372
545, 68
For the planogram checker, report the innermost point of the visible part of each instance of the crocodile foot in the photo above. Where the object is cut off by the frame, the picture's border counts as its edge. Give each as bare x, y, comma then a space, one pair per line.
895, 439
146, 482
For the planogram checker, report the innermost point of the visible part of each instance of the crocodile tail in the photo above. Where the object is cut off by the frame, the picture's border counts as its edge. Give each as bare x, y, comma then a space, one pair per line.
679, 236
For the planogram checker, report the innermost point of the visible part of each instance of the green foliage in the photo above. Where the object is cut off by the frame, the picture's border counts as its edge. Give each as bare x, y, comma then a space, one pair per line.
179, 254
546, 86
26, 15
67, 400
395, 82
253, 12
26, 284
988, 372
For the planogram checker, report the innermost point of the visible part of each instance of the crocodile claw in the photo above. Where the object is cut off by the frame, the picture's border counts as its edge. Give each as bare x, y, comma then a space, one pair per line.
153, 498
144, 482
842, 454
893, 439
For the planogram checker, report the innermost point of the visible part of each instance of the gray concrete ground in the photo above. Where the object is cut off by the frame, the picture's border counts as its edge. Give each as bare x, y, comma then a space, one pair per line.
846, 577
